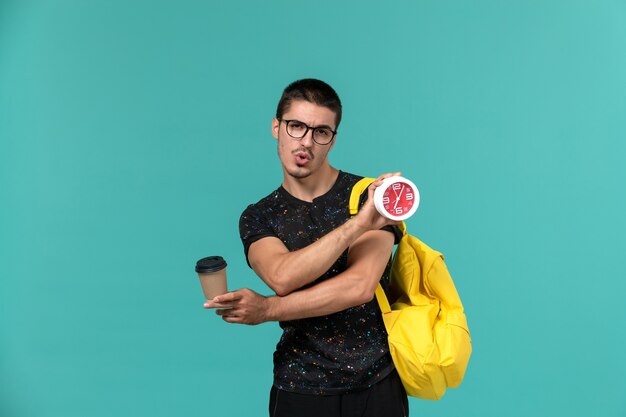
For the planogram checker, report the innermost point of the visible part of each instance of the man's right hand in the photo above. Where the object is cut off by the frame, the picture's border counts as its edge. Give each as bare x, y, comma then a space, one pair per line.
368, 217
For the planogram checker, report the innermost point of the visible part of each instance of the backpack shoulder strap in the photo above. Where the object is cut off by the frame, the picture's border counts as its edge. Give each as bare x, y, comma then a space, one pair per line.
353, 205
355, 196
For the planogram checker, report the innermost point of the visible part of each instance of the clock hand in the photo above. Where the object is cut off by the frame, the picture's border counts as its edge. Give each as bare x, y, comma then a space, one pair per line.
398, 197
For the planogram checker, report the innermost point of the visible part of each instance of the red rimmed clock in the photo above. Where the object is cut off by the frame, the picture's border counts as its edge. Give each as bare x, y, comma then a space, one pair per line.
397, 198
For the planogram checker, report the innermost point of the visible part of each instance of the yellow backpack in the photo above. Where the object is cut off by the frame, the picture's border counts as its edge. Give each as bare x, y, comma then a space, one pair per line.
428, 338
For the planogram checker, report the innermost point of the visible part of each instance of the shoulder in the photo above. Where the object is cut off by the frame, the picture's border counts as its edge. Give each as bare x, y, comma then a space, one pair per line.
258, 209
348, 178
274, 198
346, 181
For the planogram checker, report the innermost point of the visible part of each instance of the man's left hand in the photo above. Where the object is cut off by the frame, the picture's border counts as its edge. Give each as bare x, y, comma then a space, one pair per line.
243, 306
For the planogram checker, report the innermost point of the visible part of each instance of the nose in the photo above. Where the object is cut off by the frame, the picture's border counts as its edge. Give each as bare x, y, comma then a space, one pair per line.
307, 139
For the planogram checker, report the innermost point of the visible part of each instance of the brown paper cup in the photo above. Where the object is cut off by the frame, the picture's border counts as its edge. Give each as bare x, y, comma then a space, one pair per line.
212, 274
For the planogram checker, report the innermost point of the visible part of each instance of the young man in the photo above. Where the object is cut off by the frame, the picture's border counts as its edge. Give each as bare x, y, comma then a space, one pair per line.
333, 357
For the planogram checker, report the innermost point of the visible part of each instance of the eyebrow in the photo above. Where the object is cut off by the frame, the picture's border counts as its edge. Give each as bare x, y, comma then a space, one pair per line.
314, 127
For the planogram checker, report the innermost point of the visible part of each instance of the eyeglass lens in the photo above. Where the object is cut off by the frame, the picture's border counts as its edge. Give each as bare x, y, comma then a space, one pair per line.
321, 135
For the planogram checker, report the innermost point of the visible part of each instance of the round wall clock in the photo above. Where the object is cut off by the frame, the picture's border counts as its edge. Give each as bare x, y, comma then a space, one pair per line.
397, 198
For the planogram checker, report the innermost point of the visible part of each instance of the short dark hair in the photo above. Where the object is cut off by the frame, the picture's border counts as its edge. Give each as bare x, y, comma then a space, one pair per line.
311, 90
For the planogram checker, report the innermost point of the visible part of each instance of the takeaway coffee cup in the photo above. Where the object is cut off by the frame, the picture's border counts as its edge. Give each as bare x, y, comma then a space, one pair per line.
212, 273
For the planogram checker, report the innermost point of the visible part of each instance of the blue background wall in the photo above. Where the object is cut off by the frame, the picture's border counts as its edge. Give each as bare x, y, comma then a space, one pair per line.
133, 134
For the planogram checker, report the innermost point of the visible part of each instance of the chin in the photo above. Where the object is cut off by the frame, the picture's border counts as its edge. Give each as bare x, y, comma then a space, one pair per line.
299, 172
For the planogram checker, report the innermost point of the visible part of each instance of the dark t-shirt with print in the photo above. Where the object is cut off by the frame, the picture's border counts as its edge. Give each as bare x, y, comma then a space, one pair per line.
336, 353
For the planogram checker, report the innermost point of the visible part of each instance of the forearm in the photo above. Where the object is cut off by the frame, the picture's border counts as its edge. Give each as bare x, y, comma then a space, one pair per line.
294, 270
367, 261
336, 294
286, 271
244, 306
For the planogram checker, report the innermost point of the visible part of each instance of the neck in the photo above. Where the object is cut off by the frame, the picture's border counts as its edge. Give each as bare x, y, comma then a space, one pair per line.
313, 186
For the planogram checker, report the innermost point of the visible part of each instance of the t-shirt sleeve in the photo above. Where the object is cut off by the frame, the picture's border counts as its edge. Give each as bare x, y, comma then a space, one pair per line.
397, 233
252, 227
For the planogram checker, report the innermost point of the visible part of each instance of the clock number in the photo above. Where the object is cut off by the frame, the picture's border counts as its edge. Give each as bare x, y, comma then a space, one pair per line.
385, 200
396, 186
409, 196
399, 210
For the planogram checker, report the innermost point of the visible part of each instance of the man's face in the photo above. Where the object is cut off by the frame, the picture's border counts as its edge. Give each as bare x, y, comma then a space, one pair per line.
303, 157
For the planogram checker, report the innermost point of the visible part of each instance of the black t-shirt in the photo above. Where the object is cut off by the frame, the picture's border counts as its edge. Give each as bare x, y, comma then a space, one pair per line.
340, 352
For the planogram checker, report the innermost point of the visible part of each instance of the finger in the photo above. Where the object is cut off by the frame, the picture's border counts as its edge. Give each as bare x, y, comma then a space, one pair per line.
228, 297
223, 298
229, 319
389, 174
232, 319
213, 304
225, 312
393, 174
380, 179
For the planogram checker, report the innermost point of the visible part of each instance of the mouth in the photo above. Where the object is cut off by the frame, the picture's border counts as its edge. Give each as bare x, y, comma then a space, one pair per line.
302, 158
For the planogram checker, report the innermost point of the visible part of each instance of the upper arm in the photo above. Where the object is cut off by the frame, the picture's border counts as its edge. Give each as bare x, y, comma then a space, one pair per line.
264, 256
368, 257
253, 226
262, 247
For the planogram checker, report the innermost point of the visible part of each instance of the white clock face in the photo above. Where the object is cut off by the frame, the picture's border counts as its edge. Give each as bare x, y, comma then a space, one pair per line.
397, 198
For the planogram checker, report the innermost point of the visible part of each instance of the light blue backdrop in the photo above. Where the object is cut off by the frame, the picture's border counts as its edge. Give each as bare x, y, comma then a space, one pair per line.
133, 134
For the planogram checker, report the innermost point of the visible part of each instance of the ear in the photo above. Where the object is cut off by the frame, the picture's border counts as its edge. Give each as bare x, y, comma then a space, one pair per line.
275, 127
